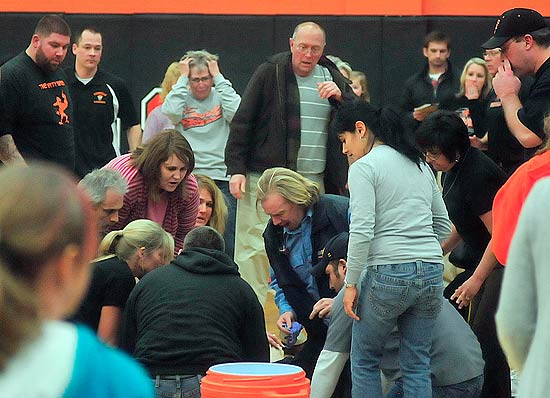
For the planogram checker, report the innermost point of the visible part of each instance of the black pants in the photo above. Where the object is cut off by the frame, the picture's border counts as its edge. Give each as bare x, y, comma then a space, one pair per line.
482, 320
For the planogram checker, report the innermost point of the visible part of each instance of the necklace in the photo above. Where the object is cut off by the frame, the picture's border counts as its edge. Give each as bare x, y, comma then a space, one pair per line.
446, 191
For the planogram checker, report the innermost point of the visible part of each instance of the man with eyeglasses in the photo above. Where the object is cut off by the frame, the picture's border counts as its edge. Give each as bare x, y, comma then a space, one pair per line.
524, 39
100, 99
201, 105
283, 121
498, 141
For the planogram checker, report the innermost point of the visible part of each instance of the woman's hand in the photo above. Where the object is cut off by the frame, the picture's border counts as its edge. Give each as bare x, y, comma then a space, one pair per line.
470, 90
350, 302
467, 291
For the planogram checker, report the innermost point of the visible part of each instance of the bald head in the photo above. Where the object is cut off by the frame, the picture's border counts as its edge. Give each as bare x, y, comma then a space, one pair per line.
308, 26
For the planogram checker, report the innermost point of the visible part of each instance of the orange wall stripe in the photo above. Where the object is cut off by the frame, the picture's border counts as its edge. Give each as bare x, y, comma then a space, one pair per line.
277, 7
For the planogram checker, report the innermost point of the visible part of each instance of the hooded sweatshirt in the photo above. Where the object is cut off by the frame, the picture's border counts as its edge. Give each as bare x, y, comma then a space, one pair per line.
194, 313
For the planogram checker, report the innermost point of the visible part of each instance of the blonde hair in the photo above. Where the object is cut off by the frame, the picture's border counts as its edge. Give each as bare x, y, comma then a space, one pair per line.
219, 208
365, 95
487, 85
290, 185
137, 234
42, 213
170, 78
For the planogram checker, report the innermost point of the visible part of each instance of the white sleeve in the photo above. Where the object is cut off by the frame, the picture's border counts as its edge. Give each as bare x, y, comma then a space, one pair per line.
327, 372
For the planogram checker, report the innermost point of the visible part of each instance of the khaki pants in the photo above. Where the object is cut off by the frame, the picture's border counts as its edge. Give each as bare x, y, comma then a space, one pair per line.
250, 253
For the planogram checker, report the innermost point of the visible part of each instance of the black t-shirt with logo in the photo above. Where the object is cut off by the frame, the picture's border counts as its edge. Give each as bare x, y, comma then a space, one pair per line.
97, 105
37, 111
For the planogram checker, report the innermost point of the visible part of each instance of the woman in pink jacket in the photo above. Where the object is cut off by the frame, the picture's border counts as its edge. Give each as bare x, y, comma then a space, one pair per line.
161, 187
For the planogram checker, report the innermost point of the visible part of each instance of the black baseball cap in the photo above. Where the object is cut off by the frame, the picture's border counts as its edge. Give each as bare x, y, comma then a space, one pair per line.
335, 249
512, 23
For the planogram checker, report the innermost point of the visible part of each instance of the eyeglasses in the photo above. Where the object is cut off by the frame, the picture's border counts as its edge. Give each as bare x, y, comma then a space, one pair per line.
315, 50
432, 156
495, 52
198, 80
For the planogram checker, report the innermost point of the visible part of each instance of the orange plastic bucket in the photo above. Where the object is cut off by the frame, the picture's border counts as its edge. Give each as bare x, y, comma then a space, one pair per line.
255, 380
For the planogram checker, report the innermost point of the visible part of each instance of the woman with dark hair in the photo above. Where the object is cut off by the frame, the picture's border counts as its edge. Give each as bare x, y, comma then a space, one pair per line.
161, 187
398, 221
48, 236
470, 182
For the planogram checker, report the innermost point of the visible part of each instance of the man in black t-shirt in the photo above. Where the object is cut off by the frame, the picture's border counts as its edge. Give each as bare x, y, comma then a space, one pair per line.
524, 39
36, 115
99, 99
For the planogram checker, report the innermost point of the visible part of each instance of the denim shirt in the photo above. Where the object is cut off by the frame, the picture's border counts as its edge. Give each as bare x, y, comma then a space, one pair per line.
299, 250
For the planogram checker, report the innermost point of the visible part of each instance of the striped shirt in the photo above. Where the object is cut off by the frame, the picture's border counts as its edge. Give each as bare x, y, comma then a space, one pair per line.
314, 119
181, 211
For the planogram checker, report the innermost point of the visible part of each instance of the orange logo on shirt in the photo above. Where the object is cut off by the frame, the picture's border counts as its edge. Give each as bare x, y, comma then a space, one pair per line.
192, 118
99, 95
62, 104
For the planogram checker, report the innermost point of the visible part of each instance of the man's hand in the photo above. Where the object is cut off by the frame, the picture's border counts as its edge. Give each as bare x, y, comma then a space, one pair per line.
237, 185
505, 82
213, 67
329, 89
350, 302
184, 66
274, 341
288, 318
322, 308
466, 292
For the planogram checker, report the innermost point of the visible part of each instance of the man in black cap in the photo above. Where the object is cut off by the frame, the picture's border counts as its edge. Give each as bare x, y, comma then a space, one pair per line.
524, 39
456, 361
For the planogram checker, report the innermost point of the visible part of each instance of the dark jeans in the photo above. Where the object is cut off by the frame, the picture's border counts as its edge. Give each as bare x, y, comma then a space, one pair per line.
482, 320
186, 386
231, 202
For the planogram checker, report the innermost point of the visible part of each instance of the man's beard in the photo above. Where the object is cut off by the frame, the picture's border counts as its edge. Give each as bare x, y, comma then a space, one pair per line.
43, 62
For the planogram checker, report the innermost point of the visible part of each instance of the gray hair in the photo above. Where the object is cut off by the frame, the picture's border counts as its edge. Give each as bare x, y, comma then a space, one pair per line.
204, 238
200, 58
97, 182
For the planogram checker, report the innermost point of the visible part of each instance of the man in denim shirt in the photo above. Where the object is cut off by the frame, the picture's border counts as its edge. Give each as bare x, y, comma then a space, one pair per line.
301, 222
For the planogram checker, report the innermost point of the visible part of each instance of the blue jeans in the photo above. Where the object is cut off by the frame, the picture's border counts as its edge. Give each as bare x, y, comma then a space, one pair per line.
178, 387
467, 389
408, 295
231, 203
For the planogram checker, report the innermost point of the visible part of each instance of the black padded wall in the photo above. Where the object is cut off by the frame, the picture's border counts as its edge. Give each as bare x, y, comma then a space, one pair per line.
140, 47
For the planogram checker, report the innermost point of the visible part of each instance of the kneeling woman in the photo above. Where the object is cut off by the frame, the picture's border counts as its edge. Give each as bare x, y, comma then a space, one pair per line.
398, 221
127, 254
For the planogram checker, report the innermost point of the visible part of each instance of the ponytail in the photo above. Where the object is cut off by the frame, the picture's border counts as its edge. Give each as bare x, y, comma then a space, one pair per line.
110, 242
19, 319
